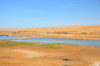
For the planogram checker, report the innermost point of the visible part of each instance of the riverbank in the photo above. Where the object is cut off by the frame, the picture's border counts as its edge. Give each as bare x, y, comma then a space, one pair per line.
45, 54
13, 39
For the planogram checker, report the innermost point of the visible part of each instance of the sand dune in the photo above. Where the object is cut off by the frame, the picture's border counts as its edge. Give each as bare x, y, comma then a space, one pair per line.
91, 32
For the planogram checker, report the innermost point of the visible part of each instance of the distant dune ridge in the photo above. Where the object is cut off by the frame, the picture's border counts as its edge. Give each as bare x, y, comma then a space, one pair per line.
91, 32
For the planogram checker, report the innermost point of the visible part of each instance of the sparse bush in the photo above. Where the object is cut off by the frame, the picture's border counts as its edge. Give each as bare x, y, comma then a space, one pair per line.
66, 33
83, 33
83, 49
58, 32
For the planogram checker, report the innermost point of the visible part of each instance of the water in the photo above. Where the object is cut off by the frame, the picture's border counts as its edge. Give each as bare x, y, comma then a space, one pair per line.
63, 41
10, 37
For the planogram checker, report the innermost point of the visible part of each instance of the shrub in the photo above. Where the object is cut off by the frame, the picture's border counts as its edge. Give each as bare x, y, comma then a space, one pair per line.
83, 49
83, 33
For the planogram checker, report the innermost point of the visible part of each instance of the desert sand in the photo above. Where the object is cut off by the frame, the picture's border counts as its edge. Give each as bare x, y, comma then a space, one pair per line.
68, 55
91, 32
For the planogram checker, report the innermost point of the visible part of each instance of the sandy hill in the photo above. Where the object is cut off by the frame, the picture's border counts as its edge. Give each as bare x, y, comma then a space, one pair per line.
57, 32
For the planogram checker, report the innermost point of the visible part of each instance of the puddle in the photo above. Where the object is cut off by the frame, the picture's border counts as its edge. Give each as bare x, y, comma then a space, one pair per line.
10, 37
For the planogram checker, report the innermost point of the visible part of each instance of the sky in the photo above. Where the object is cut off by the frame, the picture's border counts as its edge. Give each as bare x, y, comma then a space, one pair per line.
48, 13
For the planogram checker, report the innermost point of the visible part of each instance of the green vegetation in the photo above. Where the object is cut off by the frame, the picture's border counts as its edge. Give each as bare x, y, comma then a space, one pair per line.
53, 46
83, 33
64, 32
9, 44
4, 35
72, 44
68, 51
76, 45
83, 49
57, 32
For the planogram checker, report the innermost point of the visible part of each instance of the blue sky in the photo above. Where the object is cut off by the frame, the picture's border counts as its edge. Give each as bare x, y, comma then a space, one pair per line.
48, 13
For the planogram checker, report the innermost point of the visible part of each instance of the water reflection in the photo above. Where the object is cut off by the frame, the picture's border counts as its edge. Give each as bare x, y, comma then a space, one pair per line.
9, 37
63, 41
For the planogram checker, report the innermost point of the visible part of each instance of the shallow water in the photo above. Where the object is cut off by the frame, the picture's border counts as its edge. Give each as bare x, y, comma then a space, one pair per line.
9, 37
63, 41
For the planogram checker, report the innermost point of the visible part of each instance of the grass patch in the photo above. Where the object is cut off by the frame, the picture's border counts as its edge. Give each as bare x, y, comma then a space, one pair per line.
71, 44
4, 35
10, 43
83, 49
53, 46
68, 51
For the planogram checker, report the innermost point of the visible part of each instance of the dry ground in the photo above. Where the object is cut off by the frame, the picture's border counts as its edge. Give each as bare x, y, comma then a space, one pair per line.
69, 55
